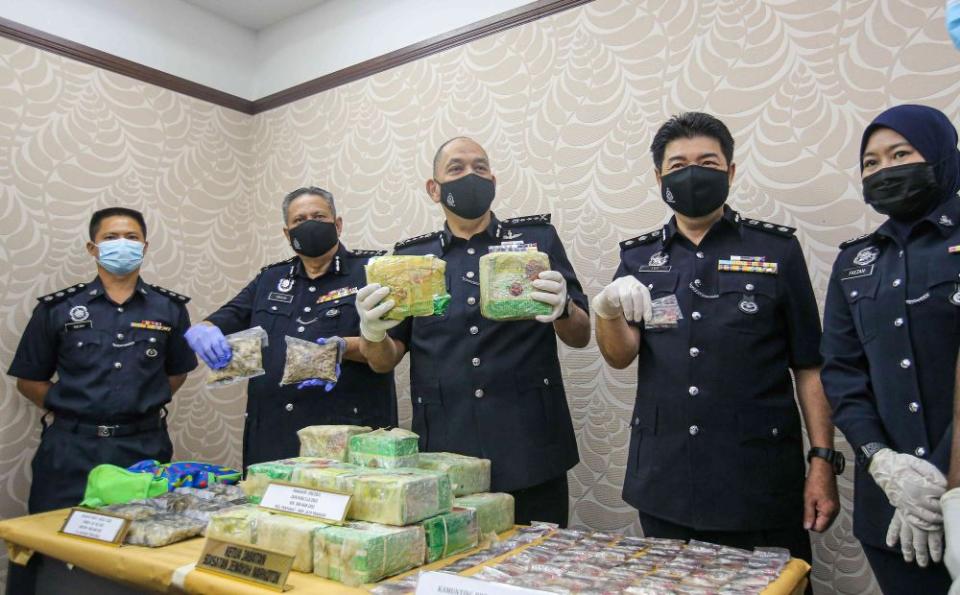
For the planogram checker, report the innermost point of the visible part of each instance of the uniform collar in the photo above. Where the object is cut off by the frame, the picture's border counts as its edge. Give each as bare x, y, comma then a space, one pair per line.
944, 218
95, 290
338, 266
494, 229
730, 218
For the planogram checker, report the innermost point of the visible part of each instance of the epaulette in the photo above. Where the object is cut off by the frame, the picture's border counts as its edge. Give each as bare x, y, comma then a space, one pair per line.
171, 294
417, 239
774, 228
856, 240
640, 240
57, 296
368, 253
528, 220
278, 264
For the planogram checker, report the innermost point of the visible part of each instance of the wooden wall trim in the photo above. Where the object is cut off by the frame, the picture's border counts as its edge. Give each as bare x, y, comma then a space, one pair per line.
434, 45
88, 55
95, 57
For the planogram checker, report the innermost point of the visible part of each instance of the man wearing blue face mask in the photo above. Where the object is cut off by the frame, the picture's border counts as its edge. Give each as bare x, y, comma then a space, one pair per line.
116, 345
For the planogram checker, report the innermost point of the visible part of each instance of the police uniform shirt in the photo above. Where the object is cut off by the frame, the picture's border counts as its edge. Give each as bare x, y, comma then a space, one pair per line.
286, 302
715, 433
892, 331
485, 388
113, 360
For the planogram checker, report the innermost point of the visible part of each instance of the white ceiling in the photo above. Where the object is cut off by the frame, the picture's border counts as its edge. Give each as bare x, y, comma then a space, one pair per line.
255, 14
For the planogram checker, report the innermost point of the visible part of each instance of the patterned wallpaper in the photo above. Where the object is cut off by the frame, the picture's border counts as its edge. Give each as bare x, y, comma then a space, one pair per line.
566, 108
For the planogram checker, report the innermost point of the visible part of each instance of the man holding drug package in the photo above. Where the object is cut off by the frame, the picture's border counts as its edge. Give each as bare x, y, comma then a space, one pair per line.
310, 296
717, 310
482, 387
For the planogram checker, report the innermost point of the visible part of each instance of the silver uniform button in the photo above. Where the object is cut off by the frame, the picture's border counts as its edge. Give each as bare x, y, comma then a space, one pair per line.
699, 254
694, 430
117, 365
152, 339
288, 406
694, 391
546, 382
311, 288
120, 335
306, 308
898, 322
300, 329
79, 343
694, 352
636, 421
355, 410
854, 293
469, 274
749, 287
119, 309
775, 432
420, 400
920, 451
475, 361
905, 363
913, 407
273, 308
697, 282
896, 282
471, 300
478, 393
474, 330
649, 285
695, 315
471, 251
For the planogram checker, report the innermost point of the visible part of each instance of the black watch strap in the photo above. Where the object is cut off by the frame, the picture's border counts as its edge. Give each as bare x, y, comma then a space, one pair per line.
866, 452
566, 309
835, 458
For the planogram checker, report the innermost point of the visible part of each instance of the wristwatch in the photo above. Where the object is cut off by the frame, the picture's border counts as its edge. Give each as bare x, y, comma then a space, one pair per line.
867, 451
566, 308
835, 458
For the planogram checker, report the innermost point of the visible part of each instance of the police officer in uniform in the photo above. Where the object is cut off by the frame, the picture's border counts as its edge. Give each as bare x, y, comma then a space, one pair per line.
479, 387
310, 296
892, 330
716, 445
116, 345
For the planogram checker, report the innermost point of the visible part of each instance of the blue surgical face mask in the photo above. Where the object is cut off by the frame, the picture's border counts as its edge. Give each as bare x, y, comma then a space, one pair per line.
953, 21
120, 256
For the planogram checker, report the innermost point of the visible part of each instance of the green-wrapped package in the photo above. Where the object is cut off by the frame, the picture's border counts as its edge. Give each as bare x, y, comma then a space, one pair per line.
384, 449
400, 497
450, 533
328, 442
468, 475
260, 475
417, 284
291, 535
358, 553
506, 284
237, 524
495, 511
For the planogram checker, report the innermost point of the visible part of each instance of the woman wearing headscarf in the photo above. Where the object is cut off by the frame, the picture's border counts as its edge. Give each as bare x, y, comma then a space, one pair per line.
891, 333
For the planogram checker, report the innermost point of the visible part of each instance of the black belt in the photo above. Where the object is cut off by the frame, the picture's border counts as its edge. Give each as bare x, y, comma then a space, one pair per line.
75, 425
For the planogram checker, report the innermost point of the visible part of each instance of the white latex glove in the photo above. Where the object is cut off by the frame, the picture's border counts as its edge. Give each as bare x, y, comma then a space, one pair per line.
912, 485
950, 504
371, 308
625, 296
915, 542
552, 290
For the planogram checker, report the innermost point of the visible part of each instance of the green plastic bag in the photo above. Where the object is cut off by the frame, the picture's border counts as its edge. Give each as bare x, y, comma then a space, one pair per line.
109, 484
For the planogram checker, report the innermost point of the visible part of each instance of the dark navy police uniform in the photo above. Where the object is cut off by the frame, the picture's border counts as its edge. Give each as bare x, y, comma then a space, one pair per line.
285, 301
494, 389
716, 448
113, 362
892, 331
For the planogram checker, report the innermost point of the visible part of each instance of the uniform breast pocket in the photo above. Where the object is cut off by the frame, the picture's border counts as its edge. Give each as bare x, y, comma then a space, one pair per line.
944, 292
660, 285
338, 317
274, 317
80, 349
643, 427
748, 301
861, 295
428, 413
150, 345
540, 400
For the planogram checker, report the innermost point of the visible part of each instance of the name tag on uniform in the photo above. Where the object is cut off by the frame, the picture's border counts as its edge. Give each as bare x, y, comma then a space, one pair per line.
856, 272
76, 326
275, 296
655, 269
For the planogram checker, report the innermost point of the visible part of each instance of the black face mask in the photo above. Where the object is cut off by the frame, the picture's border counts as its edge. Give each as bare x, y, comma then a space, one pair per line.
902, 192
468, 197
313, 238
695, 191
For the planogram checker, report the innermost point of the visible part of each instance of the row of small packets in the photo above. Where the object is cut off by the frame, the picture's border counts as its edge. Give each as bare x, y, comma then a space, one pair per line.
573, 561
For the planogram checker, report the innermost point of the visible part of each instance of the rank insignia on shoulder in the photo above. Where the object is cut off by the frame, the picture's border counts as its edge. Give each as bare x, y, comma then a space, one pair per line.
171, 294
278, 264
368, 253
856, 240
747, 264
151, 325
336, 294
417, 239
56, 296
640, 240
774, 228
543, 219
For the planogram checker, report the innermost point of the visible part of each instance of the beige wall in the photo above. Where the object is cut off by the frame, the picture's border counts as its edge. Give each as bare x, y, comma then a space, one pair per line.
566, 107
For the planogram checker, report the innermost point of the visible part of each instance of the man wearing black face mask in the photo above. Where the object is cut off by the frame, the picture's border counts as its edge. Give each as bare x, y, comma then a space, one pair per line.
310, 296
716, 445
481, 387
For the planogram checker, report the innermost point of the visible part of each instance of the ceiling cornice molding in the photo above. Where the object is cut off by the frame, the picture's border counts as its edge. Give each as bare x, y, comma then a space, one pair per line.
88, 55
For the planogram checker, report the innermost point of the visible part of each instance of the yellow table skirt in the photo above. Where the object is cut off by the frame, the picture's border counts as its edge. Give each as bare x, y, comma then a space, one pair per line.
168, 569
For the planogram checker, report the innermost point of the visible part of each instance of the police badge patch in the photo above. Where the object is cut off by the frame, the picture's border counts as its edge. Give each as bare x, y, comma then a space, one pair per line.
866, 256
79, 313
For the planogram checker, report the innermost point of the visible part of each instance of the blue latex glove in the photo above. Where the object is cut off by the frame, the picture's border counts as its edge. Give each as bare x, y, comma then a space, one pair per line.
953, 21
327, 385
209, 343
